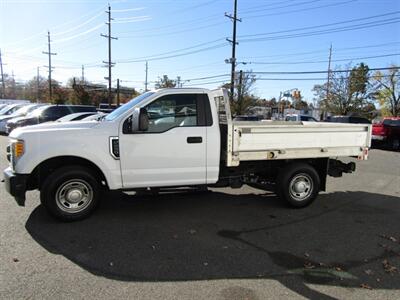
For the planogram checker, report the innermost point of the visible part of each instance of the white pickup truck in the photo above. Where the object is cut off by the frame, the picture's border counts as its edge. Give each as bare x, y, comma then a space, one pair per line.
176, 138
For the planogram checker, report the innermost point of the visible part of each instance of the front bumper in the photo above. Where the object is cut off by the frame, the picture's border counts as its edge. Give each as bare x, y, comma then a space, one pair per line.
16, 185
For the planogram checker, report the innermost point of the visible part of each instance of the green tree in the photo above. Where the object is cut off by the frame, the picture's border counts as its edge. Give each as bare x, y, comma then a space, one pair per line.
349, 92
165, 82
388, 91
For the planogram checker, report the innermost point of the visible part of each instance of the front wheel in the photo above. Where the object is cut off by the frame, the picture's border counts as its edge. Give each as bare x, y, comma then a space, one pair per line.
70, 193
298, 184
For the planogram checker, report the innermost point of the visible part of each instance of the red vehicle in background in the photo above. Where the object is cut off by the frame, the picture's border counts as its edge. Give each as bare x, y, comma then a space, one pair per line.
387, 132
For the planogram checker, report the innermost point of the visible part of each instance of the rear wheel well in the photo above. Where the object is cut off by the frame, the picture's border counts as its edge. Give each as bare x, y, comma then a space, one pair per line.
45, 168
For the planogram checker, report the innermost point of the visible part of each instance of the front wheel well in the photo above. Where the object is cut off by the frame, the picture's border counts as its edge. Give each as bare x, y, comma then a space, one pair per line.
45, 168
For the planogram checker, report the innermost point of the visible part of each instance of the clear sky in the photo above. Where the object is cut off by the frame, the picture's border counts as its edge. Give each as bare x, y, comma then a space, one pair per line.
187, 39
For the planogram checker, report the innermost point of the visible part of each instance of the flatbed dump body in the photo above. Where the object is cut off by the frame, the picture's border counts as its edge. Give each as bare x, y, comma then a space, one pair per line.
273, 140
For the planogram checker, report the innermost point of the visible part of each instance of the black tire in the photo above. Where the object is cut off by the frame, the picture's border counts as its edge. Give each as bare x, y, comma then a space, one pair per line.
70, 193
394, 144
293, 179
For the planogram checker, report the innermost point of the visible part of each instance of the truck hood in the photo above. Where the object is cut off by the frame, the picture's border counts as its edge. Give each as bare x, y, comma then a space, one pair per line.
62, 127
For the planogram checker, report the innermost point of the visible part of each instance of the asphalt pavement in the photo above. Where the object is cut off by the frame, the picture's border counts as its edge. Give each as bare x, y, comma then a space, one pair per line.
222, 244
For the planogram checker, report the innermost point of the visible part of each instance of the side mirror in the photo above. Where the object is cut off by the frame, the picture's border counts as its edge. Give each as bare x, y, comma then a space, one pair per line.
143, 120
139, 120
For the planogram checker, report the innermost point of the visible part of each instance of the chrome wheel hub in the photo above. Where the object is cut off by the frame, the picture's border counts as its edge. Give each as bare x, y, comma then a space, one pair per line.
301, 187
74, 196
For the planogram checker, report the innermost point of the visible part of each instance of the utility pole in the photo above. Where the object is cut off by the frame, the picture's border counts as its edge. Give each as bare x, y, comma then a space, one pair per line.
240, 90
83, 74
109, 63
328, 84
234, 43
37, 86
178, 81
49, 53
118, 92
3, 85
145, 82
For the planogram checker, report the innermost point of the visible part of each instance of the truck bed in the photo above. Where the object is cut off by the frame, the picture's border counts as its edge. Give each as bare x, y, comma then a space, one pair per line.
273, 140
295, 140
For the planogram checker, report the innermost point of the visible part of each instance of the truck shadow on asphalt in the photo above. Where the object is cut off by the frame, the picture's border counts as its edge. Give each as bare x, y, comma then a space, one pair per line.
343, 239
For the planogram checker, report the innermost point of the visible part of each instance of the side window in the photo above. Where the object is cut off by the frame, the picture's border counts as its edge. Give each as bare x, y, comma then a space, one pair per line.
172, 111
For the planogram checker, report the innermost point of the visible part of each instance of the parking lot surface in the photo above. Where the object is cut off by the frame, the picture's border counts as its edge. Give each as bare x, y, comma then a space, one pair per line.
222, 244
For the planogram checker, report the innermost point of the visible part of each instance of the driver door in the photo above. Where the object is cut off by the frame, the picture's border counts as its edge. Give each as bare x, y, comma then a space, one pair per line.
172, 152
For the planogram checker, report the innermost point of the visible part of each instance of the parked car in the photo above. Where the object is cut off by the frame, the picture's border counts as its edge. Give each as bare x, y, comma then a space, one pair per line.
10, 109
300, 118
387, 132
105, 108
2, 106
21, 112
76, 116
247, 118
348, 119
96, 117
46, 114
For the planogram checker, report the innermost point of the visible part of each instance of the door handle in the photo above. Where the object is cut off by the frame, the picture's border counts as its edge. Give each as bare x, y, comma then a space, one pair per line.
194, 140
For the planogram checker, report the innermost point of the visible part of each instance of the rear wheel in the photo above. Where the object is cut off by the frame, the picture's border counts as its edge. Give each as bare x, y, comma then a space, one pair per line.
70, 193
298, 184
395, 144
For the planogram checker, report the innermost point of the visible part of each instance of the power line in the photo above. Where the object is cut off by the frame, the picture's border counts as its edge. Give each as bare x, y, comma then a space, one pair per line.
204, 83
322, 25
322, 51
323, 61
208, 77
174, 32
252, 8
258, 9
288, 73
126, 10
320, 72
179, 24
327, 31
299, 10
173, 56
132, 19
144, 58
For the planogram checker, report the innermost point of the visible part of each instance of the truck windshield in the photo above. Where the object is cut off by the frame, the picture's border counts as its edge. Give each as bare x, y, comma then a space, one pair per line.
127, 106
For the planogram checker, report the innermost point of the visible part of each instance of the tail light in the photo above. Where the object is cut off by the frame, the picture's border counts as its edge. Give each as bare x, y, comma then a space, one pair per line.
379, 129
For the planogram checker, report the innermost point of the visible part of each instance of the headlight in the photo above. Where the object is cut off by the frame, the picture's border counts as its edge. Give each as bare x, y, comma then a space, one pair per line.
17, 150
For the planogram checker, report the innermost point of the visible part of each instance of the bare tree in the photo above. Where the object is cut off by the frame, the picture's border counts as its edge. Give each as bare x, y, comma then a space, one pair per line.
349, 92
388, 91
165, 82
